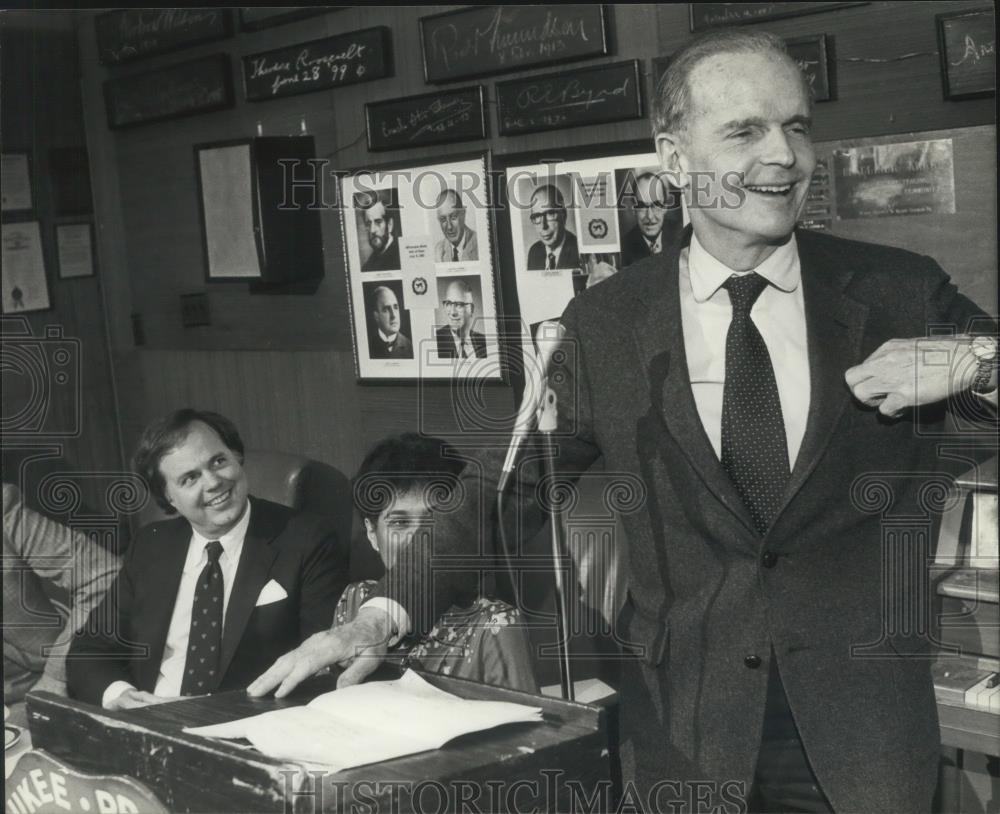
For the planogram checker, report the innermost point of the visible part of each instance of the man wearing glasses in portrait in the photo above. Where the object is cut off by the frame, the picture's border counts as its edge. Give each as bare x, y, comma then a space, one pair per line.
658, 218
556, 247
457, 340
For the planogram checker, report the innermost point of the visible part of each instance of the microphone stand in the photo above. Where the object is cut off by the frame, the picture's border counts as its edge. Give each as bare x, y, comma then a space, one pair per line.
546, 426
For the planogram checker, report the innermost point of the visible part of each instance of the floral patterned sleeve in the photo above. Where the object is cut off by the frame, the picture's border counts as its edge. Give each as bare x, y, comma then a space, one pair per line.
353, 597
484, 643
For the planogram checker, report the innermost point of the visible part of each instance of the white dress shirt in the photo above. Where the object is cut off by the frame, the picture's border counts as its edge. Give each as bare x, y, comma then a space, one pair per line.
706, 312
780, 316
168, 684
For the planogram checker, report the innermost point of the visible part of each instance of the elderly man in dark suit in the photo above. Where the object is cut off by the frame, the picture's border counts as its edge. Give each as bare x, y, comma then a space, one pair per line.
658, 219
556, 247
759, 386
207, 600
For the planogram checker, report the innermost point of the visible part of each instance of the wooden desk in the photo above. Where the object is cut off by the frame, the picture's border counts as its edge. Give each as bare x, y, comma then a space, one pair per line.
515, 767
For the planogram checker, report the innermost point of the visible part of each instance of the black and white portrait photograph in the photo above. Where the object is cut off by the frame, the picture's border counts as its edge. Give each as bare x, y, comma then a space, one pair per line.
550, 241
388, 322
379, 229
460, 335
649, 213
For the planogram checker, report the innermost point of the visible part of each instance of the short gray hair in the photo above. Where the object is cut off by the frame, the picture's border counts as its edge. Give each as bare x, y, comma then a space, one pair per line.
672, 104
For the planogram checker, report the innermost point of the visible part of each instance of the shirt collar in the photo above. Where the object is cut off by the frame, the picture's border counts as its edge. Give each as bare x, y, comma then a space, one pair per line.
781, 269
232, 542
386, 339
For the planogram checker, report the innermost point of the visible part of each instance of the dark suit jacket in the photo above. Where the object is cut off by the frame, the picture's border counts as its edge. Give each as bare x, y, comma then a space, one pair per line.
701, 597
634, 246
568, 259
401, 349
298, 551
446, 344
386, 260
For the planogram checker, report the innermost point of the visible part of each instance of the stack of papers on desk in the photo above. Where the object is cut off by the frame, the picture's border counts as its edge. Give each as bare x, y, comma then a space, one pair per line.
368, 723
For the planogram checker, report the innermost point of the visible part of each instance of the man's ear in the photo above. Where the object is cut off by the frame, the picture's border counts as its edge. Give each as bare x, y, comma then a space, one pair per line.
370, 532
672, 161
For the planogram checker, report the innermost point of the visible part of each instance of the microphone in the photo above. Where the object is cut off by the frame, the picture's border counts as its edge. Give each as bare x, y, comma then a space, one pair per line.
548, 338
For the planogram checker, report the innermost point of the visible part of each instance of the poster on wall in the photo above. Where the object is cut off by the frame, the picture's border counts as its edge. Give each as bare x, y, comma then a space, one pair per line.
903, 178
15, 182
24, 285
75, 250
420, 272
575, 223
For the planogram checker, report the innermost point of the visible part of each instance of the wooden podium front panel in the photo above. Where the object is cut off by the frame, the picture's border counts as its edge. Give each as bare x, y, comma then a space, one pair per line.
515, 767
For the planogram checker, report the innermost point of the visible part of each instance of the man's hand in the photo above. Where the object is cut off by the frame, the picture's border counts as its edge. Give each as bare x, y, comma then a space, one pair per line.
905, 373
133, 699
599, 272
359, 645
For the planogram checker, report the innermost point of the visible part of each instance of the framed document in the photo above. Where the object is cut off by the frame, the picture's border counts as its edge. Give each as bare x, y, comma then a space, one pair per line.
484, 40
128, 34
572, 98
711, 15
419, 261
75, 248
179, 90
812, 57
967, 44
15, 182
442, 117
24, 285
333, 62
254, 18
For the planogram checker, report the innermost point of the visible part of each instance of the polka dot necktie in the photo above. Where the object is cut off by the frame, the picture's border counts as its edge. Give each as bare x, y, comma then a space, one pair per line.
754, 446
205, 640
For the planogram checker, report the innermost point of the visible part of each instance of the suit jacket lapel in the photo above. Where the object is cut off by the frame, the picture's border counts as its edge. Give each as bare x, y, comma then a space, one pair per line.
167, 557
659, 338
835, 327
251, 576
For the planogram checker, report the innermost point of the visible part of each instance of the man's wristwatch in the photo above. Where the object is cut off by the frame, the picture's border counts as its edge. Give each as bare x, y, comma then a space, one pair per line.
984, 348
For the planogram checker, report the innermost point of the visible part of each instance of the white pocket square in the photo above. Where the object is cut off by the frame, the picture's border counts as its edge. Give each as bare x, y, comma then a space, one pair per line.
272, 592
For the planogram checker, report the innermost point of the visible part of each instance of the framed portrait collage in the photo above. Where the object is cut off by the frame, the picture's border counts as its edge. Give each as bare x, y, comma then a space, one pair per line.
419, 260
569, 224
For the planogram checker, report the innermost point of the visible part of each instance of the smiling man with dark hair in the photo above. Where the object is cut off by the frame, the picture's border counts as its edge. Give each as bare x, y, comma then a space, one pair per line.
206, 600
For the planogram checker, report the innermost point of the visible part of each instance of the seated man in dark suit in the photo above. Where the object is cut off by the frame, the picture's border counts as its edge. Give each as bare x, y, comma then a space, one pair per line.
457, 340
556, 247
206, 601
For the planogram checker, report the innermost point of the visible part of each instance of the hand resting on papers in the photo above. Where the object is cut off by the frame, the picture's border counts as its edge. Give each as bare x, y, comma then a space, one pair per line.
359, 646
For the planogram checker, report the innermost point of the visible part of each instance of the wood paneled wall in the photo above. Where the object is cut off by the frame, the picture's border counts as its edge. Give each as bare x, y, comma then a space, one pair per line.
41, 110
282, 366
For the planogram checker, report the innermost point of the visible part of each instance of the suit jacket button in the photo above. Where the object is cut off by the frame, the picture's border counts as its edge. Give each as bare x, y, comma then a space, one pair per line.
769, 559
753, 662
